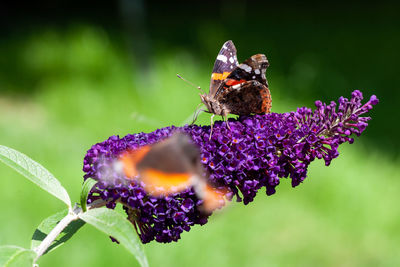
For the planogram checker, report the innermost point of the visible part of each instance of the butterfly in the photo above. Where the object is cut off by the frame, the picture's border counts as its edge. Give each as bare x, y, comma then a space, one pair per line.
240, 89
170, 166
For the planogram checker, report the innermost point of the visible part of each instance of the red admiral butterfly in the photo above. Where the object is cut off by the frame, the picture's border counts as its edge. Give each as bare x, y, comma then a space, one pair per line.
170, 166
237, 89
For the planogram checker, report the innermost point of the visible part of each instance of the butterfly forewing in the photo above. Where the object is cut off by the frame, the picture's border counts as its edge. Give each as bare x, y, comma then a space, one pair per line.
224, 64
253, 68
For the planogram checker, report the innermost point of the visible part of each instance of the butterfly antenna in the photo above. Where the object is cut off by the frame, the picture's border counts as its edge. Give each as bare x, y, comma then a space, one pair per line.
183, 79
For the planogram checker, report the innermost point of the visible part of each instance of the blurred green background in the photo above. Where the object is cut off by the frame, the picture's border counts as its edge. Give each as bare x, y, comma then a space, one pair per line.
72, 74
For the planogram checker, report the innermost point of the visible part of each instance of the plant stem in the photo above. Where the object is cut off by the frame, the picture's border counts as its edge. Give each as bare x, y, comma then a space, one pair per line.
41, 249
71, 216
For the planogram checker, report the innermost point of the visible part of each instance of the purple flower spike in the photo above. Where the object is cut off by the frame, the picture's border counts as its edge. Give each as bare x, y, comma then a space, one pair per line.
254, 153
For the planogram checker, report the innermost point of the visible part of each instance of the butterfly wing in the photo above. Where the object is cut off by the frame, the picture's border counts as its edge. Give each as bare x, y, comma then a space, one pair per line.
213, 198
159, 183
250, 97
171, 166
225, 63
164, 168
129, 160
253, 68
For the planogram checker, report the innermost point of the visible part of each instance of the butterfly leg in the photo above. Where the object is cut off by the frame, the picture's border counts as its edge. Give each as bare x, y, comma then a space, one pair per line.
197, 112
196, 115
211, 124
225, 118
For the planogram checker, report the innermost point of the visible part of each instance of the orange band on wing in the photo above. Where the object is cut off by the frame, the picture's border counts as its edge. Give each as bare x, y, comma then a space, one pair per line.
213, 198
158, 183
130, 159
219, 76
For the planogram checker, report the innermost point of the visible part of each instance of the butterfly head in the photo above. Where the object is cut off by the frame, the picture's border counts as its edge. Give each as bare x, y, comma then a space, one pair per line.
211, 104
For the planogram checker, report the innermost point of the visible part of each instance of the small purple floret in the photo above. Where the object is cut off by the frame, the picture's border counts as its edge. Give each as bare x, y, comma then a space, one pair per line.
254, 153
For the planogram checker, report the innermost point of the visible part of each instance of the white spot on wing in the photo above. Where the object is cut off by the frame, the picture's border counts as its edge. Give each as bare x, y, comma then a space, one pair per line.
222, 58
257, 71
237, 86
263, 74
245, 67
231, 60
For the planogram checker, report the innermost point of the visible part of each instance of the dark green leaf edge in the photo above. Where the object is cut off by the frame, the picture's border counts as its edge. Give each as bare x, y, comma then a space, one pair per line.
86, 187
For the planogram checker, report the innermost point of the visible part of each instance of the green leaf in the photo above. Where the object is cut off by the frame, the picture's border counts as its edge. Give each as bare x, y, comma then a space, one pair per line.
116, 225
86, 187
13, 256
48, 224
34, 172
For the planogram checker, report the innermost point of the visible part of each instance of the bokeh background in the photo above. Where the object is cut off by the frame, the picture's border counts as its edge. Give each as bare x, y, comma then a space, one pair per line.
73, 73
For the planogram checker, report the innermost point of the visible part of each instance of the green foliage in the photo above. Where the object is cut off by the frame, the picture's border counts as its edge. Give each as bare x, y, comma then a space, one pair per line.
86, 187
34, 172
48, 224
13, 256
106, 220
116, 225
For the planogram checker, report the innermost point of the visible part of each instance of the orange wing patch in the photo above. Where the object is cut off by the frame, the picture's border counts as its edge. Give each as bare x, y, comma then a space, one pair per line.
129, 160
160, 184
213, 199
219, 76
267, 101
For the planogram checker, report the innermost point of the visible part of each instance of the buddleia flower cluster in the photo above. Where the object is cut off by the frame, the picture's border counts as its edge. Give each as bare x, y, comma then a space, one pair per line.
254, 153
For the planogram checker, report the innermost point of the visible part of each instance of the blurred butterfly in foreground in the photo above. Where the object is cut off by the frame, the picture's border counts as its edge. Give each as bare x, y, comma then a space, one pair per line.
171, 166
240, 89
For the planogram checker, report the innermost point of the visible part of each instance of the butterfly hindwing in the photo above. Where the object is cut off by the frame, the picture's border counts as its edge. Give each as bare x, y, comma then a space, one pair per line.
251, 97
